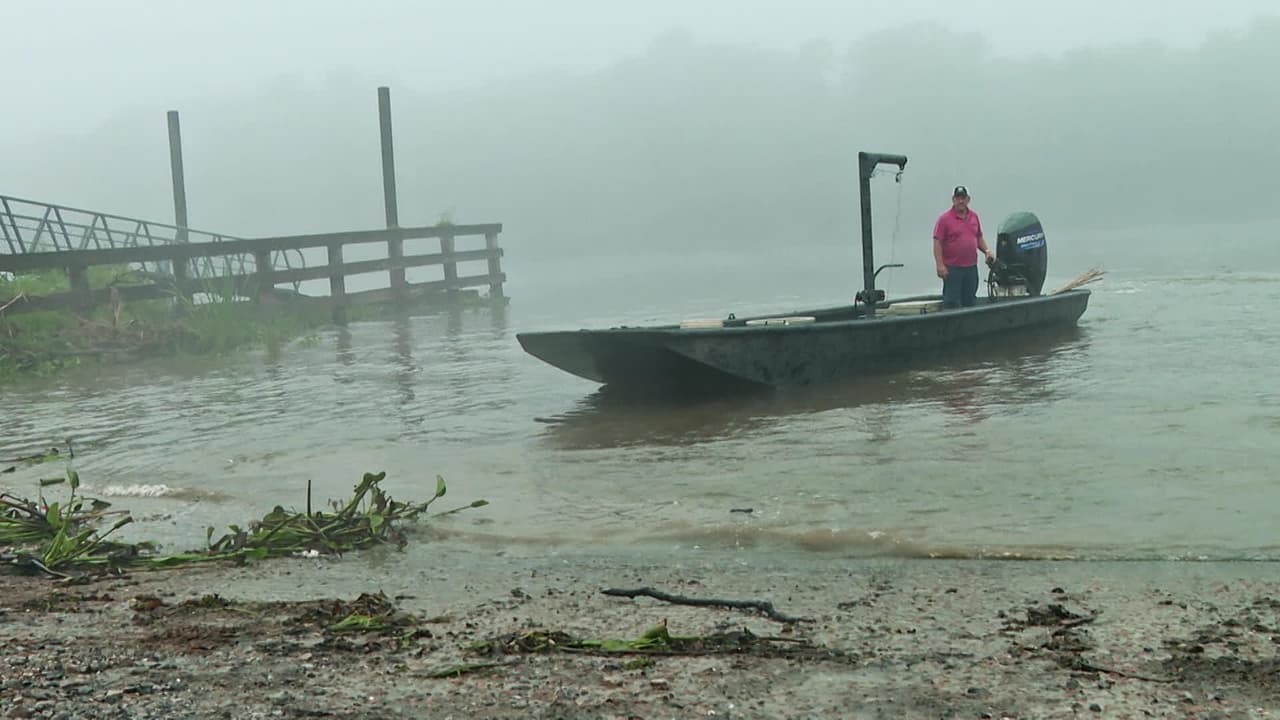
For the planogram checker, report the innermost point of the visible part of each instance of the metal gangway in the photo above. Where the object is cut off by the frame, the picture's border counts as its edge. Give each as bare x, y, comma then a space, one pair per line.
30, 226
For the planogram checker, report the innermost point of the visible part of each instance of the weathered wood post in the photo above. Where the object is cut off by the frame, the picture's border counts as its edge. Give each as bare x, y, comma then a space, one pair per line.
179, 181
337, 284
181, 277
450, 266
263, 271
179, 193
343, 342
395, 244
495, 266
81, 293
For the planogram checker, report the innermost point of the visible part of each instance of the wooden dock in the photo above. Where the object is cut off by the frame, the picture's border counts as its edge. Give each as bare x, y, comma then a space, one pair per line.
179, 261
249, 269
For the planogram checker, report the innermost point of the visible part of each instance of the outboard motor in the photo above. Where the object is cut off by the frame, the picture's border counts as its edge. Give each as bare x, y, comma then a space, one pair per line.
1021, 257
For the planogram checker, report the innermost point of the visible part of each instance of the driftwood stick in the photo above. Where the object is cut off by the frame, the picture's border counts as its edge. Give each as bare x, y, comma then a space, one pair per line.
20, 296
1084, 278
1065, 625
41, 566
1086, 666
763, 606
454, 671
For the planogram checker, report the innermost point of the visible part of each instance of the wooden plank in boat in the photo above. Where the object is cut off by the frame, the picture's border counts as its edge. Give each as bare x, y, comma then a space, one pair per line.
701, 323
792, 320
914, 307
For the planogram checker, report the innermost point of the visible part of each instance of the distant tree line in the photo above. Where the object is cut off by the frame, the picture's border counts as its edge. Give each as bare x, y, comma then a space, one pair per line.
721, 146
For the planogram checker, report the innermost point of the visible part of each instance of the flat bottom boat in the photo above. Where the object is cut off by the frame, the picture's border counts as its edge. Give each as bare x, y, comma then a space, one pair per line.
815, 346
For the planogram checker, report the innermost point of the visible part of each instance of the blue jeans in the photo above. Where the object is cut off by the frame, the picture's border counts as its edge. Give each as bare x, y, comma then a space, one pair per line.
960, 288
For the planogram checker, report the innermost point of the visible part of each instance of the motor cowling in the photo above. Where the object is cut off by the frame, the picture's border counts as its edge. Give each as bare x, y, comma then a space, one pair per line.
1022, 257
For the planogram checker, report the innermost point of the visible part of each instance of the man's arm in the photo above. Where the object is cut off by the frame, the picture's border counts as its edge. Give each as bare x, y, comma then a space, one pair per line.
982, 242
938, 231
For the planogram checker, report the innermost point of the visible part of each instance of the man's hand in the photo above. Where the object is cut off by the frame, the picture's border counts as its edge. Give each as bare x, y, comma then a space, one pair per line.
942, 271
991, 258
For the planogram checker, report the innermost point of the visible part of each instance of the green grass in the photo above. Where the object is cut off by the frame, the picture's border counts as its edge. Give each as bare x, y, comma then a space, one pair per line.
43, 343
50, 282
216, 322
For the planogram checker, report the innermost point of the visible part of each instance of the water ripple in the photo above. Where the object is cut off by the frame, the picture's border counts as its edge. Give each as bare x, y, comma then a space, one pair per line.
1149, 432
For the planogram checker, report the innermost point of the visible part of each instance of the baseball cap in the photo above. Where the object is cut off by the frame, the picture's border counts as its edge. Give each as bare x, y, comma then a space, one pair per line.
960, 191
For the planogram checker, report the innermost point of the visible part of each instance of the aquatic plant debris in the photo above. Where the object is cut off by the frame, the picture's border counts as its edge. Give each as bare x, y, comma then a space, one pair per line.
657, 640
52, 535
58, 538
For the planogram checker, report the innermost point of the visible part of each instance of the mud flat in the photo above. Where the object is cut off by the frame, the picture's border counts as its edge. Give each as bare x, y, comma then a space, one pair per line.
521, 635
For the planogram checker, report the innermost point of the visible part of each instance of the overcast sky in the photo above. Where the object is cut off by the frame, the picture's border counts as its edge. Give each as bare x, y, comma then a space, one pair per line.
71, 64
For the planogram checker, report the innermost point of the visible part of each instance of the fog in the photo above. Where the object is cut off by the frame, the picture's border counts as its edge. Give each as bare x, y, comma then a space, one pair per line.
589, 128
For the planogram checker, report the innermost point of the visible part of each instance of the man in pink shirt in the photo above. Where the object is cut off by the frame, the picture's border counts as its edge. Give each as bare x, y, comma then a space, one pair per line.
957, 238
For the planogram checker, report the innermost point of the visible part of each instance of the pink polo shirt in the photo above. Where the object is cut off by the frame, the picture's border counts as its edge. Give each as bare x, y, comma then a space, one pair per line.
959, 236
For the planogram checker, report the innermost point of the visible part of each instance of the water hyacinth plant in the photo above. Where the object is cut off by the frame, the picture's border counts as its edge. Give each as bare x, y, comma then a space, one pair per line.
53, 535
58, 538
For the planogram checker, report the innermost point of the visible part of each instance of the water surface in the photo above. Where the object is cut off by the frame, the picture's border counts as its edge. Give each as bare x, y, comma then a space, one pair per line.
1150, 432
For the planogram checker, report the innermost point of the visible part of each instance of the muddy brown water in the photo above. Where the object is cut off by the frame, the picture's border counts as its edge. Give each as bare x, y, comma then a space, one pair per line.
1150, 433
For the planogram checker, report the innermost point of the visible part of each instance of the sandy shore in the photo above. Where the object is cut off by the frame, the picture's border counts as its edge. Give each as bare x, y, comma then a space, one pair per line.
879, 639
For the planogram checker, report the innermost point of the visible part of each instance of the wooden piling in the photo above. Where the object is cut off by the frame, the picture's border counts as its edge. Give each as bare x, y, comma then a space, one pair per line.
81, 293
495, 266
181, 276
179, 181
263, 272
337, 284
395, 245
447, 253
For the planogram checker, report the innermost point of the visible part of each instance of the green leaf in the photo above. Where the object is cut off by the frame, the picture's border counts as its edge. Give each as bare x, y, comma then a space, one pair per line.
51, 456
473, 504
657, 632
73, 478
440, 488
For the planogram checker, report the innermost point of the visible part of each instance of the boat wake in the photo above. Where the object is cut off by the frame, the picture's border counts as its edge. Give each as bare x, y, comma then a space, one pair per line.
156, 490
844, 544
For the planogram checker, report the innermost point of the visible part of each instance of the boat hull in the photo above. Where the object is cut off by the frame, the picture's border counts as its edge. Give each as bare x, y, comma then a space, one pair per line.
839, 344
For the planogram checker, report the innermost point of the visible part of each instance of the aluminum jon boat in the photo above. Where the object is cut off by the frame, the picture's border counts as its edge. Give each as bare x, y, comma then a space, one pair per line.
805, 347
